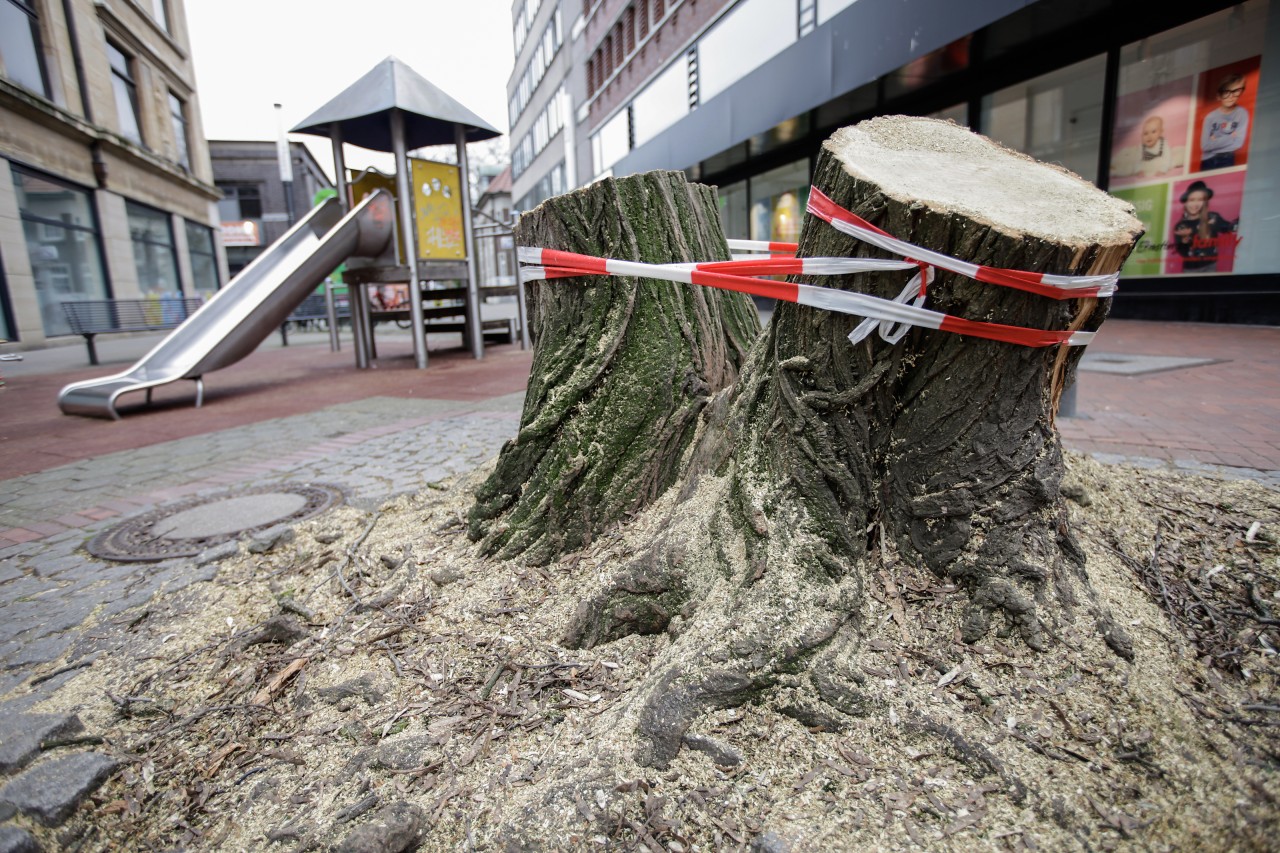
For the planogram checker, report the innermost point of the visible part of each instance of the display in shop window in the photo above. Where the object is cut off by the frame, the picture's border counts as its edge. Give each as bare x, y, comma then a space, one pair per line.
1204, 225
1150, 205
1150, 139
1224, 112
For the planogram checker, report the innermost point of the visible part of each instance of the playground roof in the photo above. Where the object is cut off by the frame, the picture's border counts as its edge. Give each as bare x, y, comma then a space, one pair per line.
362, 111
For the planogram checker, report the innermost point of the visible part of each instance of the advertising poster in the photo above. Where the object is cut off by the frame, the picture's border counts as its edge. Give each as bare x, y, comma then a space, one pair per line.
1151, 135
437, 207
1149, 205
1225, 105
388, 297
1201, 234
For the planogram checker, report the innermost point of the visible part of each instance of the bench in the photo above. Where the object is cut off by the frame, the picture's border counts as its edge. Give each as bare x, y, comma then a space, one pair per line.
92, 317
312, 310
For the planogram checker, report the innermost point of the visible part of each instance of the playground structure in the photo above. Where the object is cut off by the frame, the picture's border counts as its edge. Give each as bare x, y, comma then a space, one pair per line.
390, 109
394, 109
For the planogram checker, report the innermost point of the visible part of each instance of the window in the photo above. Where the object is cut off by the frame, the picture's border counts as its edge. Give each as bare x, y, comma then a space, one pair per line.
178, 114
754, 32
663, 102
543, 54
62, 244
1190, 149
612, 143
204, 261
1056, 117
240, 202
20, 46
160, 13
551, 184
733, 210
153, 254
126, 92
778, 199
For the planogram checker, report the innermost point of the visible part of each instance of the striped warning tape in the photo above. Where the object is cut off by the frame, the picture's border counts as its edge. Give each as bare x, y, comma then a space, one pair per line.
553, 263
1043, 284
891, 317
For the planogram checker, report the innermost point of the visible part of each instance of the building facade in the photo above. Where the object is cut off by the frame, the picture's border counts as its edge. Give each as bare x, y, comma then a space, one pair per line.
106, 190
256, 207
1134, 96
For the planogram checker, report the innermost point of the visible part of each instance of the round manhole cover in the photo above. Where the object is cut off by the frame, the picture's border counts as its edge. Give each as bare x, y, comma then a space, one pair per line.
186, 528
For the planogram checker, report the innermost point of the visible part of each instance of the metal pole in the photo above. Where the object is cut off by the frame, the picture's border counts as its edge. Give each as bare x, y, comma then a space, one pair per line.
473, 286
359, 339
405, 190
285, 156
521, 313
331, 312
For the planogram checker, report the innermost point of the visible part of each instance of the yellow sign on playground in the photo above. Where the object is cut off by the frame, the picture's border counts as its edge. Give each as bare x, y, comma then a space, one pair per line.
437, 208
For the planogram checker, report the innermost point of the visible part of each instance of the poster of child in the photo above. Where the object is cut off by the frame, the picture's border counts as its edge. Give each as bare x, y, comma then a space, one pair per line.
1204, 216
1225, 106
1150, 139
389, 297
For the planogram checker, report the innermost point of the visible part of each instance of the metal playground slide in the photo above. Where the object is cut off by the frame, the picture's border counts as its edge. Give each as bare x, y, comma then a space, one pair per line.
253, 305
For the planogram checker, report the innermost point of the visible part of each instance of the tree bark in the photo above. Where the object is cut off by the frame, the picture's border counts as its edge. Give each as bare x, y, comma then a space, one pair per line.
828, 466
622, 367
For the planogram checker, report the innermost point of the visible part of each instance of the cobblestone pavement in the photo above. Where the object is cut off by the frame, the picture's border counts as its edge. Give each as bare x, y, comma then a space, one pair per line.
50, 587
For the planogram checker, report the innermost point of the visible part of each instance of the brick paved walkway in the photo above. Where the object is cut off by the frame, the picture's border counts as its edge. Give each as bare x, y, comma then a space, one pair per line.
1226, 413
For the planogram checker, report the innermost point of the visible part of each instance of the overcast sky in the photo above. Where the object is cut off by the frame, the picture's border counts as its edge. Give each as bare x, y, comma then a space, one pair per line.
252, 54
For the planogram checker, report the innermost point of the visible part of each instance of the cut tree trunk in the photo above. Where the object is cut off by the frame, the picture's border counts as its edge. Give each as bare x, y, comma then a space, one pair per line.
826, 468
622, 368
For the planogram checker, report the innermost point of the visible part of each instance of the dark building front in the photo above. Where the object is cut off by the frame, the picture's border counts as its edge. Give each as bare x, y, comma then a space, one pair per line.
256, 209
1138, 97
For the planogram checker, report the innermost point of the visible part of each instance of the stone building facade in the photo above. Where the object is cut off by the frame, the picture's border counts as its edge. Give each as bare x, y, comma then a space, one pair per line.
106, 188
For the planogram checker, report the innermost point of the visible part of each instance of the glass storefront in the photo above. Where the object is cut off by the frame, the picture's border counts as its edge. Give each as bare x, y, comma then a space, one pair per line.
778, 199
63, 245
1185, 150
153, 254
1056, 117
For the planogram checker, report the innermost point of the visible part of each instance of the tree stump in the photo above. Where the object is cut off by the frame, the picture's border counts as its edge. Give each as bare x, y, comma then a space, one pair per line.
829, 467
622, 367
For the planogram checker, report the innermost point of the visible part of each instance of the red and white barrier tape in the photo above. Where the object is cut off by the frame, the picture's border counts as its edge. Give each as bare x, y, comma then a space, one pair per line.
892, 317
1043, 284
885, 313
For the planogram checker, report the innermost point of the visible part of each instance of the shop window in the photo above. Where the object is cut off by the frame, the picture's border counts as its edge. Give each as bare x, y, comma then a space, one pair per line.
63, 245
126, 93
1184, 151
663, 102
151, 232
1056, 118
733, 210
958, 114
754, 32
7, 332
781, 134
20, 53
204, 260
178, 115
778, 199
933, 67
